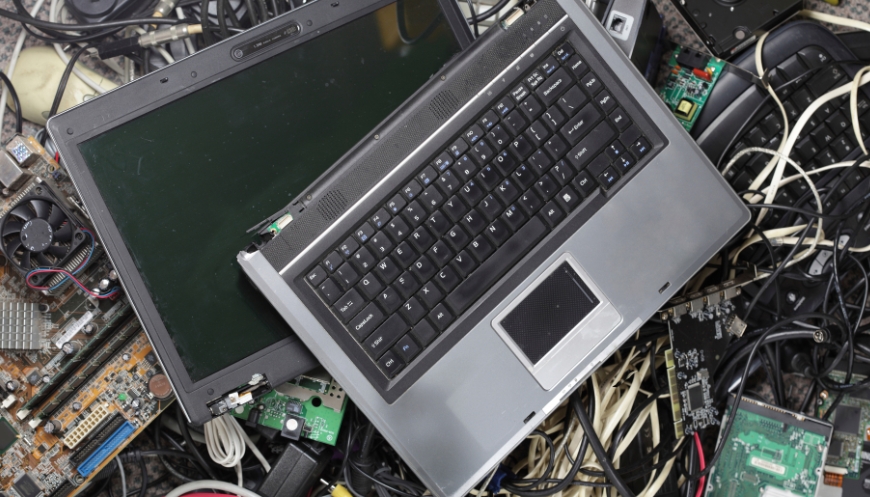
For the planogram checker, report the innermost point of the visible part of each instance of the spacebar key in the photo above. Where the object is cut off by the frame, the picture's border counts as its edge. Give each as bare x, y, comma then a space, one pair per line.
493, 268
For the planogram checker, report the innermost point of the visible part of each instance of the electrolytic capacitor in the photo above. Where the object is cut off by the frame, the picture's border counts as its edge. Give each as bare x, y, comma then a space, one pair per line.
12, 385
70, 348
52, 426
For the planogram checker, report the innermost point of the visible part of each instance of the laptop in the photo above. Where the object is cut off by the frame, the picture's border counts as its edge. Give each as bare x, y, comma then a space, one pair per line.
177, 167
477, 256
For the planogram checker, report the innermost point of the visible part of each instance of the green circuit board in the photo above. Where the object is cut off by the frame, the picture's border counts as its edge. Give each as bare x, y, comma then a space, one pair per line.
316, 406
770, 451
851, 419
691, 77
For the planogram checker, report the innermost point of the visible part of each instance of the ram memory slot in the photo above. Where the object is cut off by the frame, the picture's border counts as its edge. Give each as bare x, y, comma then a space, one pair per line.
122, 318
125, 334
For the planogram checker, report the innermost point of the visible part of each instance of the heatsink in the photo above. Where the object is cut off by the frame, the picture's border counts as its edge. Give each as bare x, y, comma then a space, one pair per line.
21, 325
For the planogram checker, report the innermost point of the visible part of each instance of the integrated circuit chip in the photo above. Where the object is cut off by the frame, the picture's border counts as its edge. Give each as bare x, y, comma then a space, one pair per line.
26, 486
8, 435
696, 397
848, 419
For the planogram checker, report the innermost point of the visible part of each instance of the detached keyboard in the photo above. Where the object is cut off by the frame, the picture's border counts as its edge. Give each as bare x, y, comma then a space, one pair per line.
468, 216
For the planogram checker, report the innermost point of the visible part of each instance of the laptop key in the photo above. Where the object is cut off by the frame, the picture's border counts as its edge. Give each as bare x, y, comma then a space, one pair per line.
577, 66
564, 52
530, 202
406, 348
380, 218
438, 223
440, 253
457, 148
589, 147
424, 333
385, 336
346, 275
497, 232
441, 317
578, 126
490, 207
348, 247
411, 190
568, 199
591, 83
397, 229
332, 261
505, 163
414, 214
554, 86
412, 310
365, 323
572, 101
463, 264
546, 186
499, 137
457, 238
465, 168
316, 276
390, 364
608, 178
330, 291
427, 175
552, 213
389, 299
513, 217
405, 255
472, 193
348, 305
421, 239
443, 161
387, 270
640, 147
524, 177
504, 106
549, 66
430, 294
406, 284
363, 260
467, 292
480, 248
380, 244
488, 120
473, 134
448, 183
423, 268
488, 177
431, 198
396, 204
473, 222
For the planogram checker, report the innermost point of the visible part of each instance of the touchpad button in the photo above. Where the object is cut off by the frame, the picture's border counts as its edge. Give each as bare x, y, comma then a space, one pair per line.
549, 312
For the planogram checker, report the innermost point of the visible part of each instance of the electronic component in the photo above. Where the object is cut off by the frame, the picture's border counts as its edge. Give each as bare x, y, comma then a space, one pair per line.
96, 416
12, 177
698, 342
159, 386
770, 452
296, 470
21, 326
729, 26
690, 80
114, 441
25, 152
26, 486
8, 436
851, 419
315, 406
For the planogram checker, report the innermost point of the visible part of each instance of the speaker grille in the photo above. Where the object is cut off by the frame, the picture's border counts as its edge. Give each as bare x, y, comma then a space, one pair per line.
444, 105
331, 205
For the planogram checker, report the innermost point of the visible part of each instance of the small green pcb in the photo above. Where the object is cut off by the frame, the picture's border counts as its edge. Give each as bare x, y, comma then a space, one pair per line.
851, 419
305, 406
770, 451
691, 77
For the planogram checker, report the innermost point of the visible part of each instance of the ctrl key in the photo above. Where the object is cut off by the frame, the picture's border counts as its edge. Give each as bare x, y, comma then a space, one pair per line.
390, 364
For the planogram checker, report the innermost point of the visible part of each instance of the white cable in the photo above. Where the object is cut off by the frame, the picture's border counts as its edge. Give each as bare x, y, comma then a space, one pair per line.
226, 442
212, 484
123, 476
13, 59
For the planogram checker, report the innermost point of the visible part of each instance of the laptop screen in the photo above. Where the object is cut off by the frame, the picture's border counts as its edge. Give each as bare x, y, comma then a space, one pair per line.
185, 182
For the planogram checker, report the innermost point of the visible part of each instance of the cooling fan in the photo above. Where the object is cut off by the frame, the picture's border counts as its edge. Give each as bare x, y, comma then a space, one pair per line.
39, 232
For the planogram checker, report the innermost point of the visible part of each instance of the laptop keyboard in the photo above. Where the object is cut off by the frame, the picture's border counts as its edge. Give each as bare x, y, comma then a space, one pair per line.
445, 238
827, 138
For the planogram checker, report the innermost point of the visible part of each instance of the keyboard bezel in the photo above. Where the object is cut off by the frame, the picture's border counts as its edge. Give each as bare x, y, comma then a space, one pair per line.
392, 389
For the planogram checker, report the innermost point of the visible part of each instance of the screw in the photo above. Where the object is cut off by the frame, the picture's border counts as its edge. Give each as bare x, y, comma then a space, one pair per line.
69, 131
377, 137
820, 335
791, 297
443, 77
823, 395
193, 74
237, 53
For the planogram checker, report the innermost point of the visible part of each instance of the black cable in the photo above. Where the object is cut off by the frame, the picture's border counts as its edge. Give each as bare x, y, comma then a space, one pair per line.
489, 13
222, 19
14, 95
403, 30
601, 454
473, 18
264, 11
204, 21
188, 440
32, 21
144, 488
252, 16
61, 88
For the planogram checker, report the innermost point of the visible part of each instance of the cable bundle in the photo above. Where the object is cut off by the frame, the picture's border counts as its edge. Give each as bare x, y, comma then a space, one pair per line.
226, 442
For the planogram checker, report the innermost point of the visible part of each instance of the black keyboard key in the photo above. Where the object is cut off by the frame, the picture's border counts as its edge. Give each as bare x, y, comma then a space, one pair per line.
572, 101
507, 192
530, 202
389, 299
370, 286
363, 260
838, 122
473, 134
489, 207
606, 101
346, 276
807, 148
556, 147
552, 213
598, 165
480, 248
316, 276
365, 323
441, 317
440, 253
332, 261
519, 93
390, 364
406, 284
608, 178
471, 193
513, 217
413, 311
457, 148
504, 106
584, 183
396, 204
497, 232
591, 83
549, 66
465, 168
620, 119
380, 218
385, 336
447, 278
756, 137
562, 172
454, 208
842, 146
822, 135
534, 79
404, 255
488, 120
329, 290
614, 150
473, 222
430, 294
364, 232
546, 186
481, 152
564, 52
431, 199
482, 279
423, 268
387, 270
580, 125
531, 108
540, 162
448, 183
524, 177
411, 190
348, 305
488, 177
424, 333
442, 162
427, 176
577, 66
624, 163
640, 147
421, 239
414, 214
538, 133
772, 124
554, 119
568, 199
348, 247
498, 137
555, 85
457, 238
438, 223
515, 123
590, 146
825, 80
505, 163
802, 99
463, 264
406, 348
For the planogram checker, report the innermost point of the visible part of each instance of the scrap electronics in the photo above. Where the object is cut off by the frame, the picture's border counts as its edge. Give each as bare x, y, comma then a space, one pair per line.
396, 248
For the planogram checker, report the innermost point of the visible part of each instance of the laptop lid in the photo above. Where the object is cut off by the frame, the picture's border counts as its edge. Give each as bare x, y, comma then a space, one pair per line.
176, 167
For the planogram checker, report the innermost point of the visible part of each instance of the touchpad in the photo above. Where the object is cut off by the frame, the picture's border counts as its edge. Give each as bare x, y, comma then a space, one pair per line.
549, 312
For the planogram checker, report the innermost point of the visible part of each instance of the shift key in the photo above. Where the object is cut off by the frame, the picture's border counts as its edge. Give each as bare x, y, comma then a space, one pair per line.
384, 337
590, 146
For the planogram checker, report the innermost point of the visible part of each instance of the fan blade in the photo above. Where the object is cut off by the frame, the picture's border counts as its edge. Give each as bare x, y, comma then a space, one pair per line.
64, 234
41, 207
58, 251
12, 227
12, 246
25, 261
56, 218
43, 260
22, 212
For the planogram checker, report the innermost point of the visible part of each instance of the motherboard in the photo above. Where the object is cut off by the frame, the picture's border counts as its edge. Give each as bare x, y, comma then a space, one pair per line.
851, 419
78, 377
690, 80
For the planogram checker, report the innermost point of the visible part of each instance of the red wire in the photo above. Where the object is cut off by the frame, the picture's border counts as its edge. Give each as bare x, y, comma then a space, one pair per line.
70, 276
703, 481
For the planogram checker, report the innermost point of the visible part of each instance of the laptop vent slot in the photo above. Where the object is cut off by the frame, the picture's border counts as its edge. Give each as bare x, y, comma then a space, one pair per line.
444, 105
331, 205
